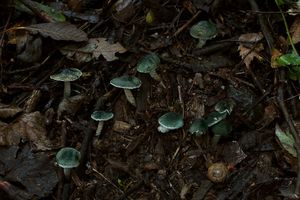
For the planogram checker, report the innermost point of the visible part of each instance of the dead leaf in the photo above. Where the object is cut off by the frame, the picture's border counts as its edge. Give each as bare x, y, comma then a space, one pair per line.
106, 49
7, 111
295, 30
70, 105
94, 48
27, 127
275, 55
28, 175
249, 52
58, 31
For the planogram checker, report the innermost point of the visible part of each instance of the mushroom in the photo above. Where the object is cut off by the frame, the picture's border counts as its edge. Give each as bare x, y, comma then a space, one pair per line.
214, 118
225, 106
221, 129
148, 65
67, 75
68, 158
101, 116
170, 121
198, 127
203, 31
127, 83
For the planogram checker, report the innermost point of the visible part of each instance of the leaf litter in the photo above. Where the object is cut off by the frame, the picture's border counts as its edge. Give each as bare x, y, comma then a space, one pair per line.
131, 159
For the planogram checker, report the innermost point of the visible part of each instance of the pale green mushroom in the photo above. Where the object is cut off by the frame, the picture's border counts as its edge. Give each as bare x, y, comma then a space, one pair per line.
203, 31
198, 127
67, 75
148, 64
170, 121
127, 83
68, 158
101, 117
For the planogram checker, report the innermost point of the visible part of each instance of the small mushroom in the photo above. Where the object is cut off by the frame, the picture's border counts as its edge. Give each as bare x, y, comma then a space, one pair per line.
148, 65
217, 172
170, 121
68, 158
67, 75
221, 129
214, 118
225, 106
127, 83
198, 127
203, 31
101, 116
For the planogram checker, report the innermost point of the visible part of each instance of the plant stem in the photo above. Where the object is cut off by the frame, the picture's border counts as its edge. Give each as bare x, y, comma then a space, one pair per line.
287, 29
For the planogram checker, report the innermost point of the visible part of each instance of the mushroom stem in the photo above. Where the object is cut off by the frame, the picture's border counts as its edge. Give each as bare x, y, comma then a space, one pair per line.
99, 128
130, 97
163, 129
67, 172
67, 89
155, 75
215, 140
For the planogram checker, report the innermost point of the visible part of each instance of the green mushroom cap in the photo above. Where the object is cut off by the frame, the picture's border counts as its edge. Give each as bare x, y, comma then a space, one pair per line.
68, 74
148, 63
214, 118
203, 30
171, 121
68, 157
225, 106
102, 115
198, 127
126, 82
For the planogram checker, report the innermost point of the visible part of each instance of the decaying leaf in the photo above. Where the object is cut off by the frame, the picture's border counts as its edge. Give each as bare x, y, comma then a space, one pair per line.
28, 175
94, 48
27, 127
250, 51
70, 105
275, 55
295, 30
7, 111
286, 140
58, 31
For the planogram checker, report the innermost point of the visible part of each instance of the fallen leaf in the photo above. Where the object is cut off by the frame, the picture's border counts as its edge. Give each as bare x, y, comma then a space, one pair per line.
70, 105
8, 111
58, 31
286, 140
93, 49
30, 127
28, 175
295, 30
249, 52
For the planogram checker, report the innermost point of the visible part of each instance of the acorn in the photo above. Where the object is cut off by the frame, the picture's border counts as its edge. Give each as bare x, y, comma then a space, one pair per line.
217, 172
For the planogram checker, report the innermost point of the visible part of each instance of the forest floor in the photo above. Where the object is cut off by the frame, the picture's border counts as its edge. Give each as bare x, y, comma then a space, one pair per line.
224, 72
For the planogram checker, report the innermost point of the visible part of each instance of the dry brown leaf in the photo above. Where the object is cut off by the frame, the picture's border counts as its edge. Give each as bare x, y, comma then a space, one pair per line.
59, 31
249, 52
94, 48
27, 127
275, 55
106, 49
295, 30
7, 111
70, 105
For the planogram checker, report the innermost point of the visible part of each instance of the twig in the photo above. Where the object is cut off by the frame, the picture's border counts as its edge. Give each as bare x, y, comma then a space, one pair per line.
263, 25
186, 24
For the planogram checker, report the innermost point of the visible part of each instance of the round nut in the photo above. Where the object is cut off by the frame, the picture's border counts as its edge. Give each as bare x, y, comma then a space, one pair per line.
217, 172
